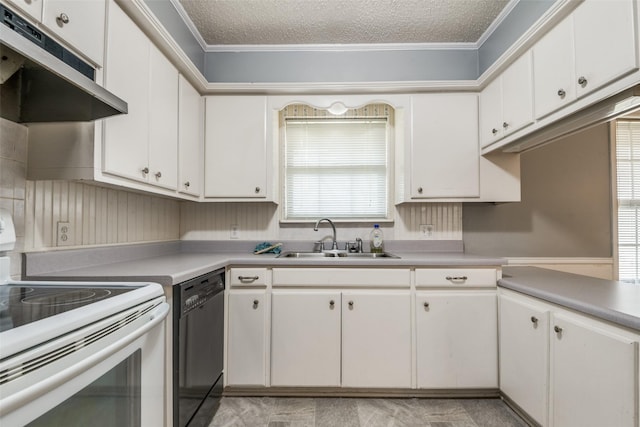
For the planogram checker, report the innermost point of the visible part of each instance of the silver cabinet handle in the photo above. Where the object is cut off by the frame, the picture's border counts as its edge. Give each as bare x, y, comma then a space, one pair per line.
582, 81
534, 320
63, 18
332, 304
456, 278
255, 304
494, 131
257, 190
505, 125
426, 305
420, 190
145, 171
187, 184
248, 278
561, 93
351, 305
557, 329
158, 174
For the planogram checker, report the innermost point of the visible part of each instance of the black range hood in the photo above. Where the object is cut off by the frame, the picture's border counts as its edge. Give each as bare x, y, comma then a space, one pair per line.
41, 81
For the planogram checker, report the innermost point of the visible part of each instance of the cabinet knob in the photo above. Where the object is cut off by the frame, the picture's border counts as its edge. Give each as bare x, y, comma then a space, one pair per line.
255, 304
534, 320
257, 190
582, 81
557, 329
158, 174
145, 171
332, 304
187, 184
62, 19
420, 190
505, 125
494, 131
351, 305
426, 305
561, 93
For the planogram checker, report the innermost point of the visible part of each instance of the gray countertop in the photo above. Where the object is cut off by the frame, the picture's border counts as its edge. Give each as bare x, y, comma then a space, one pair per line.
609, 300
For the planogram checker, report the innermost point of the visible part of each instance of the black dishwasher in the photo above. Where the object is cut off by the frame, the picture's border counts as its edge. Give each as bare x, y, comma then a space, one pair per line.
198, 339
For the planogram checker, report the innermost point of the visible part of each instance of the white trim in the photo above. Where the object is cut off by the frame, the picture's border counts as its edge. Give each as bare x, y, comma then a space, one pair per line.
189, 23
559, 260
352, 47
497, 22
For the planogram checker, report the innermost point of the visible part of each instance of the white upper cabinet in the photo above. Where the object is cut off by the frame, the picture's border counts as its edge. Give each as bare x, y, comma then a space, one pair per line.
79, 23
190, 138
143, 144
31, 8
506, 104
581, 54
236, 157
444, 146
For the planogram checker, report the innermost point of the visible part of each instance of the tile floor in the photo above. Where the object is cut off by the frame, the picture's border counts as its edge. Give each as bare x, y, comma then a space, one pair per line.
360, 412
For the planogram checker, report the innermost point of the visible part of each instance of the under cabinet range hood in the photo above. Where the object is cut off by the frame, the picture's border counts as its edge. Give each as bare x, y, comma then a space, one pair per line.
41, 81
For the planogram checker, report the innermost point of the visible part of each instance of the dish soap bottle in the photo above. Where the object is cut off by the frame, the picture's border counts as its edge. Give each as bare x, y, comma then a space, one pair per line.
376, 240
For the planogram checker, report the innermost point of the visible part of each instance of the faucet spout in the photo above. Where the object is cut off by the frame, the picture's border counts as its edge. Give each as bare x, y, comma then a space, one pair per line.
334, 245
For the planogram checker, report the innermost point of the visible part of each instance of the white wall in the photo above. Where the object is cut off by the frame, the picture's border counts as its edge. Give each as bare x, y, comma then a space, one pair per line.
13, 167
260, 221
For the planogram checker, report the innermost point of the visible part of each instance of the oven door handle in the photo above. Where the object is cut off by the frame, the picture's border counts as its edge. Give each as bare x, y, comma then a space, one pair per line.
16, 400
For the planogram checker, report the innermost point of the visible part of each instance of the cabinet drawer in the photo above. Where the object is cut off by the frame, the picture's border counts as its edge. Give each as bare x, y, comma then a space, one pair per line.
248, 276
369, 277
438, 277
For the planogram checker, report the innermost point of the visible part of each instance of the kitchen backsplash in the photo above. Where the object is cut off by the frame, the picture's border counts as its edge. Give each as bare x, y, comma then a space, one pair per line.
13, 171
260, 221
96, 215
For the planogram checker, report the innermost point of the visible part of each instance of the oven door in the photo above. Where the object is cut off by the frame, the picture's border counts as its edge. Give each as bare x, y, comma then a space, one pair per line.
110, 373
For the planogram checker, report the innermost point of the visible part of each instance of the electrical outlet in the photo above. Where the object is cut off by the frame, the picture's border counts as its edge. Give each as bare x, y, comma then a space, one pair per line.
235, 233
426, 231
65, 234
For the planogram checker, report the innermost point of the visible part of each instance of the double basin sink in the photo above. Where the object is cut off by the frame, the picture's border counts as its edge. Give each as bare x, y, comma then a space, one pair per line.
338, 254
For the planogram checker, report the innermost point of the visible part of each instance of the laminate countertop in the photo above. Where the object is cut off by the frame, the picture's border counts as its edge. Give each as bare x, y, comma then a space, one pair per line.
616, 302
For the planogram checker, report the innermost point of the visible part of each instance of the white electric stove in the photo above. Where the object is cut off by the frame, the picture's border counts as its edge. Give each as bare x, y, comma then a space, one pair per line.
72, 353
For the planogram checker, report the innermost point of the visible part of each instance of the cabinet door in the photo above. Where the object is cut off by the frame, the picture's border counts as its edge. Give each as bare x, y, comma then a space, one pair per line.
79, 23
491, 113
553, 69
444, 154
190, 138
235, 147
246, 340
517, 95
126, 136
604, 52
32, 8
593, 376
376, 339
305, 338
524, 356
457, 339
163, 121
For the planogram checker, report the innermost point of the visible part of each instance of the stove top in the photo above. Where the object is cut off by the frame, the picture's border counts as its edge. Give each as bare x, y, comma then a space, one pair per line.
22, 303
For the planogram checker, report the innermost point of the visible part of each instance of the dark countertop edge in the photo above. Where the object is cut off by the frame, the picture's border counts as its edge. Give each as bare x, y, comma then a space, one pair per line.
611, 315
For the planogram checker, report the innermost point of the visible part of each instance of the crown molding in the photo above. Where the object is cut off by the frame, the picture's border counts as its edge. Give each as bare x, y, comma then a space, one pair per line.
497, 22
354, 47
189, 23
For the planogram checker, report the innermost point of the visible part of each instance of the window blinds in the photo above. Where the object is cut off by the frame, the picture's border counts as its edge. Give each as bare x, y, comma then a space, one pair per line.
628, 183
336, 168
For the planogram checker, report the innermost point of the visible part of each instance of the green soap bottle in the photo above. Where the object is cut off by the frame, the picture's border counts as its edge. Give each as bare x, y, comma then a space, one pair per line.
376, 240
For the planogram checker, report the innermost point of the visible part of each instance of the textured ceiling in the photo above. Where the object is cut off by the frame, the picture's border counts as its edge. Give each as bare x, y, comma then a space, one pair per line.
284, 22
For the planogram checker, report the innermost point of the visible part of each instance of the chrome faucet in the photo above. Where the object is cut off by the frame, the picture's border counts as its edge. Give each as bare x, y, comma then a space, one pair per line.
334, 245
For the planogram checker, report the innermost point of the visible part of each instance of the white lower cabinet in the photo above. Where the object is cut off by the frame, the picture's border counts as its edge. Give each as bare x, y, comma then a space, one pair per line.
246, 348
566, 369
305, 338
524, 356
376, 339
457, 339
593, 375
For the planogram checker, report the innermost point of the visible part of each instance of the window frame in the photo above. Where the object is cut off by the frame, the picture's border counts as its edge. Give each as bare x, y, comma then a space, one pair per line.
314, 113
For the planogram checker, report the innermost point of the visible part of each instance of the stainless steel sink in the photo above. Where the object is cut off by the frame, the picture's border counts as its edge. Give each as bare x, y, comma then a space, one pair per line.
336, 255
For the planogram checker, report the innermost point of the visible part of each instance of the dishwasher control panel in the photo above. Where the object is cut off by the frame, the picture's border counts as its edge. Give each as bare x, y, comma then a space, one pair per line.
196, 292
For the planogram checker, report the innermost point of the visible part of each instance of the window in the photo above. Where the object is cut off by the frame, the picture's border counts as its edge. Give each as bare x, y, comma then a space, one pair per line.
336, 167
628, 188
